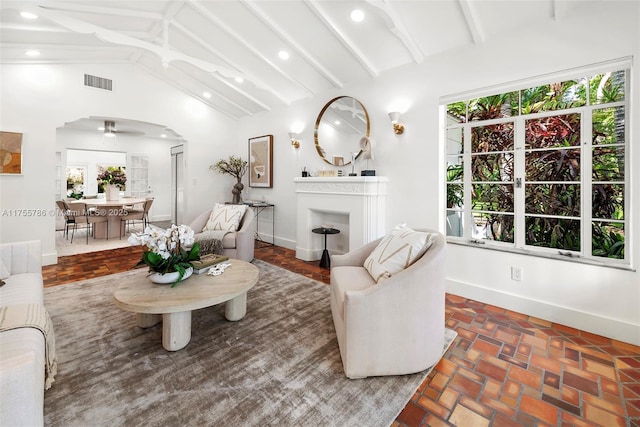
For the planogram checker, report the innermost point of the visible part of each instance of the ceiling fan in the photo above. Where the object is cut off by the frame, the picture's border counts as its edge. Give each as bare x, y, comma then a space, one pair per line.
111, 131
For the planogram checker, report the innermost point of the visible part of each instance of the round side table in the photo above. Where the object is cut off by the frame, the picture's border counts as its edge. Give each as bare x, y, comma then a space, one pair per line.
325, 261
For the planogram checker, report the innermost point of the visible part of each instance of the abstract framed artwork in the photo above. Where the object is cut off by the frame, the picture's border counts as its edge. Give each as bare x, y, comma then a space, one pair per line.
10, 153
261, 161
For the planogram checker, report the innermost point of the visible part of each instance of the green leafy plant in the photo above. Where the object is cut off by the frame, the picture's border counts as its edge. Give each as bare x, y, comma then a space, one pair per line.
166, 251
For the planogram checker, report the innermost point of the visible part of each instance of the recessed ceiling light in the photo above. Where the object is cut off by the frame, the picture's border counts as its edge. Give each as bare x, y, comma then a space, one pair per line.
163, 136
283, 54
32, 53
239, 79
357, 15
337, 122
206, 95
28, 15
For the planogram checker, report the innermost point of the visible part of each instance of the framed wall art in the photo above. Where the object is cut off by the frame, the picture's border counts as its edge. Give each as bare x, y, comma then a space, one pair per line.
261, 161
10, 153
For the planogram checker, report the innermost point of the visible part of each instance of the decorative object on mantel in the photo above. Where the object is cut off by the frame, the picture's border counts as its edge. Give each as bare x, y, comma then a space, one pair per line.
261, 161
114, 179
165, 253
366, 145
304, 172
235, 167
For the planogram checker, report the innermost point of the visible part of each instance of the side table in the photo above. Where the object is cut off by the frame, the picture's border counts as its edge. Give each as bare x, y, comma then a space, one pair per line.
325, 261
259, 207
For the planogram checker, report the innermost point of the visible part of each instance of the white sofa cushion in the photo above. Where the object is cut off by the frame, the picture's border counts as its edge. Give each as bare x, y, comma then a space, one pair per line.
225, 217
4, 272
22, 289
397, 251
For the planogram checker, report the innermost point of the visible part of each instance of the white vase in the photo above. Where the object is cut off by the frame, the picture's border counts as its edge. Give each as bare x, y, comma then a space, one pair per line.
112, 192
168, 278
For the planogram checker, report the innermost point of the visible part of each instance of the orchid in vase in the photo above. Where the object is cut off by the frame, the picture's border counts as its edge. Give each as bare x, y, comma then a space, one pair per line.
166, 249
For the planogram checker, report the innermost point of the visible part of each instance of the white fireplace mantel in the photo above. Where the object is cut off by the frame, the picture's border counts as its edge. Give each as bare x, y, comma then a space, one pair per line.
361, 199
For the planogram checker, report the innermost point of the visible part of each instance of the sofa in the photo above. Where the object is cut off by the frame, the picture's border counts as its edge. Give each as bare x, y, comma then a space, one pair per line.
394, 326
238, 244
22, 349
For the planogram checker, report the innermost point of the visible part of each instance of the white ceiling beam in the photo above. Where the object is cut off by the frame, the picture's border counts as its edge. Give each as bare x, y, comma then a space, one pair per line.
250, 76
34, 28
249, 46
315, 7
471, 21
99, 10
397, 27
302, 52
32, 61
185, 90
52, 47
214, 92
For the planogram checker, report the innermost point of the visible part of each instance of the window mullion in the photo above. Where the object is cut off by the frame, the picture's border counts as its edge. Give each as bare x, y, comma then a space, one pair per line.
466, 158
586, 189
519, 173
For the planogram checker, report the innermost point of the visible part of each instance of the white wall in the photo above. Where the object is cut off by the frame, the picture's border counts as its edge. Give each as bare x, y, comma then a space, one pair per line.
38, 99
601, 300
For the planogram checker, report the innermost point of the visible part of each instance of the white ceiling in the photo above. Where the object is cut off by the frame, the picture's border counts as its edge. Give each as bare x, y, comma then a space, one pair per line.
200, 46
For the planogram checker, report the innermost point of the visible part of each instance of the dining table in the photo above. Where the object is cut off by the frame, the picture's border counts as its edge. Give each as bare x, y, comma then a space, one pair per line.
116, 212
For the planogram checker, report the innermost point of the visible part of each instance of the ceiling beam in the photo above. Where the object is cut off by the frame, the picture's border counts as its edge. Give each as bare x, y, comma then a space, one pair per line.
250, 76
302, 52
100, 10
397, 27
315, 7
218, 94
58, 46
196, 4
471, 20
185, 90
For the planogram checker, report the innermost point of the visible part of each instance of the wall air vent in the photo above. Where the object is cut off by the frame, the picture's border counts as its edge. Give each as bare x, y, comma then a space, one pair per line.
98, 82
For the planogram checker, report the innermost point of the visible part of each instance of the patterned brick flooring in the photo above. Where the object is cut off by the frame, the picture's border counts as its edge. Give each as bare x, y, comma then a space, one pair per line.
504, 369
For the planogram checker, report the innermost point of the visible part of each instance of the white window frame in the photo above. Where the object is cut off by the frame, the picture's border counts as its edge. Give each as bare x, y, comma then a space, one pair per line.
519, 246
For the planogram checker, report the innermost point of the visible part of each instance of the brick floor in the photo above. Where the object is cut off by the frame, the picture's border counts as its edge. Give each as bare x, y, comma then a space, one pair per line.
504, 369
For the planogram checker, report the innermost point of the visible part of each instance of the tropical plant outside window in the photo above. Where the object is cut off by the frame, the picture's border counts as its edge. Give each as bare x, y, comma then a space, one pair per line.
542, 169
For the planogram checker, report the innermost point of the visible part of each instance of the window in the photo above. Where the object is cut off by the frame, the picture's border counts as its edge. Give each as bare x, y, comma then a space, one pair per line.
540, 168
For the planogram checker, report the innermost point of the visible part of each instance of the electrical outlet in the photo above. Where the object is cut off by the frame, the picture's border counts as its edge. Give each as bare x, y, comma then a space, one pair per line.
516, 274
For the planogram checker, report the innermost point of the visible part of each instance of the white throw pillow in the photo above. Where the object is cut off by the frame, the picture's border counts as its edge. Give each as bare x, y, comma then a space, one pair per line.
397, 251
225, 217
4, 272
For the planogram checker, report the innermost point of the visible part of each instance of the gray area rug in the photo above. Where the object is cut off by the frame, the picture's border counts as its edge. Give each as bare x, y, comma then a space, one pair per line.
280, 365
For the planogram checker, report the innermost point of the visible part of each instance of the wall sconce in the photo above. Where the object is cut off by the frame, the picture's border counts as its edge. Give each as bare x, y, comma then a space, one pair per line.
294, 140
398, 128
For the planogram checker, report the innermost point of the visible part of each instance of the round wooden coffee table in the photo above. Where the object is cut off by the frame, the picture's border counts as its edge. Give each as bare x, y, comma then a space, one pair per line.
153, 303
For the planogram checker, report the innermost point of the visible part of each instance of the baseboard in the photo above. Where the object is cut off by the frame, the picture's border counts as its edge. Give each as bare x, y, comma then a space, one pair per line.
589, 322
50, 258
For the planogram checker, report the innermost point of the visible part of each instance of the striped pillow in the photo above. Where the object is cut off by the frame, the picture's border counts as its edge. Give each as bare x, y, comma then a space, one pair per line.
396, 252
225, 217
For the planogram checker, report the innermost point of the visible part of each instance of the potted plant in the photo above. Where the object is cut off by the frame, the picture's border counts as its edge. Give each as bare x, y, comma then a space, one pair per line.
114, 180
166, 256
235, 167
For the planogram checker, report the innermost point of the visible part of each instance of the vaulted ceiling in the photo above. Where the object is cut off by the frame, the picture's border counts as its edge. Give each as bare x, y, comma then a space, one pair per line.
227, 52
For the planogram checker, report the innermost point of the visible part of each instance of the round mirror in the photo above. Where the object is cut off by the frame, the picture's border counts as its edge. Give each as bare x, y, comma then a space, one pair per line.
339, 127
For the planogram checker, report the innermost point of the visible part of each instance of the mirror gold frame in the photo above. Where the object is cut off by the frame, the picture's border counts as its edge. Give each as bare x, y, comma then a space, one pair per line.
354, 111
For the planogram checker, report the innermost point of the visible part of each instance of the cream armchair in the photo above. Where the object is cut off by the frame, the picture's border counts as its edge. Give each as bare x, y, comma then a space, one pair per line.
236, 244
393, 327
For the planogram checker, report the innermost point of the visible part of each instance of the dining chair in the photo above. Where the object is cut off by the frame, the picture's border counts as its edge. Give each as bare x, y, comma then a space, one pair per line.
138, 215
89, 217
68, 218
